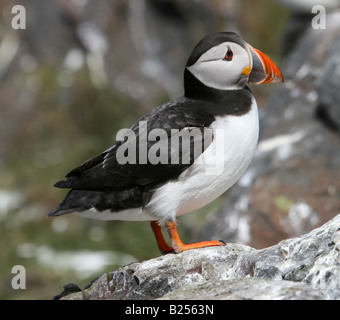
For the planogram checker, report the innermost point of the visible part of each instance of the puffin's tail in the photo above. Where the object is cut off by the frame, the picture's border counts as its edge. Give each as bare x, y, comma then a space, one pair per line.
59, 212
64, 207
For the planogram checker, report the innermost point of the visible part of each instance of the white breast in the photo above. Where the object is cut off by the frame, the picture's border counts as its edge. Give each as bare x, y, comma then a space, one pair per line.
215, 171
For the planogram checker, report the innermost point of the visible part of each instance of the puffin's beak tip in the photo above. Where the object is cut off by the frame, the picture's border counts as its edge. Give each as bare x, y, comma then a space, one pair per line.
264, 69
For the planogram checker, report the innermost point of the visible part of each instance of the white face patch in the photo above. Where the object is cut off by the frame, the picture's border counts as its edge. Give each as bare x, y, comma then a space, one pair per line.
213, 70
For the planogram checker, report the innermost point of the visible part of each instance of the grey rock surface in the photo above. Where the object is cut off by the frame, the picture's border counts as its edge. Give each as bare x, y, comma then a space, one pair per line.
247, 289
306, 267
328, 87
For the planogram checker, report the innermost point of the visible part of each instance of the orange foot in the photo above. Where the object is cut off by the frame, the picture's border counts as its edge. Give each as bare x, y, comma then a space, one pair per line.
176, 242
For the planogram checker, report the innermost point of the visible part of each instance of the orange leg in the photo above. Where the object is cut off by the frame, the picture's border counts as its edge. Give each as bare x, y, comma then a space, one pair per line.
162, 245
177, 244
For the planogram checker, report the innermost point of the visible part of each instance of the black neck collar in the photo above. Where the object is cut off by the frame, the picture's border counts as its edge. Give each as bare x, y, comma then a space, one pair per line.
233, 102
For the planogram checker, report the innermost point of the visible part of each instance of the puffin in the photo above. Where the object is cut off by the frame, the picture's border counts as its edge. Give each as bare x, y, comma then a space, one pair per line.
183, 154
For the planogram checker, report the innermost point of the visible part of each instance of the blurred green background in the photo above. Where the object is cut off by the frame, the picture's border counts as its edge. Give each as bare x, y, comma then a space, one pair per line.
79, 72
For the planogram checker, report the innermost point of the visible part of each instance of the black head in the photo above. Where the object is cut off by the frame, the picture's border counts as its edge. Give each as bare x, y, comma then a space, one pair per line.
224, 61
212, 40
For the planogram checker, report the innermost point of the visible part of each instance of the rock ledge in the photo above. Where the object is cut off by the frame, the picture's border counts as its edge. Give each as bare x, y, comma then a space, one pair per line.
307, 267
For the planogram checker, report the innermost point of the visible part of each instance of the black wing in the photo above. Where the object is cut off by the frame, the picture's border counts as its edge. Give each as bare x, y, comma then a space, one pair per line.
104, 171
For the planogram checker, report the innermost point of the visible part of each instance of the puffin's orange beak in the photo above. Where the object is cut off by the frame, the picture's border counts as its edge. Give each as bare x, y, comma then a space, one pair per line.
264, 70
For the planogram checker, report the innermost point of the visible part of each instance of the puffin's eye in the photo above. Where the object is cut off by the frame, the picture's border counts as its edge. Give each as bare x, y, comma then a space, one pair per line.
229, 55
